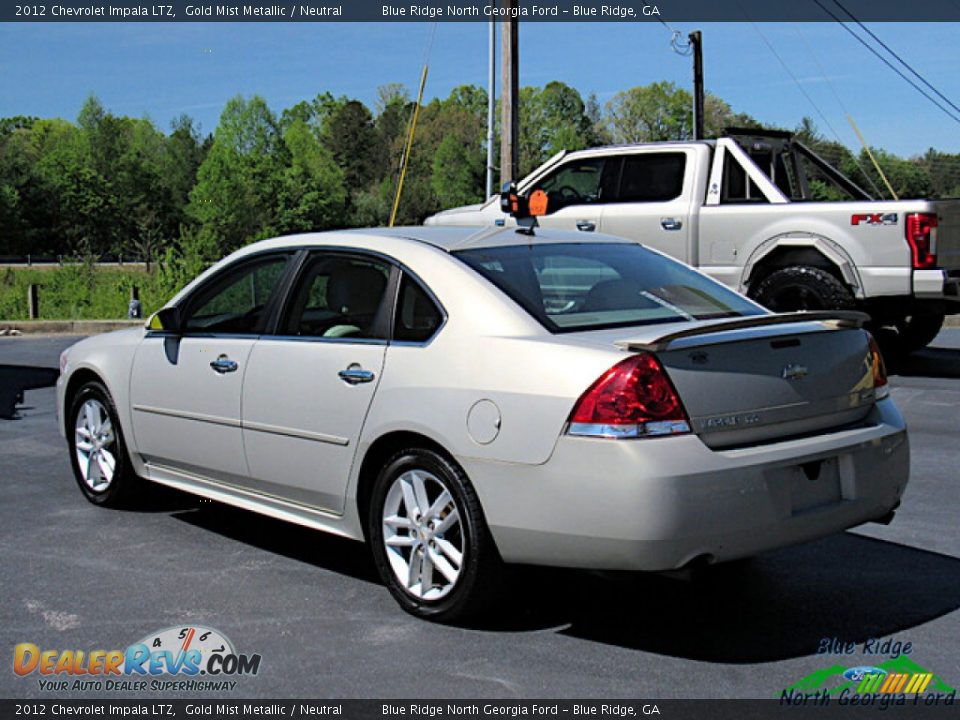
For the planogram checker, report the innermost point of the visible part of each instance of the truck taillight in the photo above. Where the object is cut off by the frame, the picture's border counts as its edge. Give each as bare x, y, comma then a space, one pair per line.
633, 399
881, 390
922, 238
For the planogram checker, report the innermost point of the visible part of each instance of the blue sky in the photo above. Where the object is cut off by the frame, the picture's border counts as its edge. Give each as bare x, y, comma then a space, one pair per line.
162, 70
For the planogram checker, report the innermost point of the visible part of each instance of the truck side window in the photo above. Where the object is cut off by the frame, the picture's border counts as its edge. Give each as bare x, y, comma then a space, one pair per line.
652, 177
737, 187
577, 183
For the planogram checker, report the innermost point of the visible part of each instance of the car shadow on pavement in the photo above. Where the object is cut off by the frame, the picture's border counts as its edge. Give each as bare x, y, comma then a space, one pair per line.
776, 606
337, 554
15, 379
930, 362
779, 605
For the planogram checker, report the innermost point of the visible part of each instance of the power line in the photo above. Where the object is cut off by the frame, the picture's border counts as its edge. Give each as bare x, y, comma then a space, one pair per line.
843, 107
812, 102
794, 78
900, 59
684, 49
903, 62
887, 62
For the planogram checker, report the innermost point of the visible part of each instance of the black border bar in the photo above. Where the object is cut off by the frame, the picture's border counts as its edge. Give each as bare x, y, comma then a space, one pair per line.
656, 11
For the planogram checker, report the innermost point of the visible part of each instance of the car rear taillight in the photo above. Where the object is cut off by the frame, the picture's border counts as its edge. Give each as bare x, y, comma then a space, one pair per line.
922, 238
881, 389
634, 398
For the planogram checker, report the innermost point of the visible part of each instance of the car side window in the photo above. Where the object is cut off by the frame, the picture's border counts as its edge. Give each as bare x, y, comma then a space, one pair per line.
236, 301
652, 177
417, 317
339, 296
580, 182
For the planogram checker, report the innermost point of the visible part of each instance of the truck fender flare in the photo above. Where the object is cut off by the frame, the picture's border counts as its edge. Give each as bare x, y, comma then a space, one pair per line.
831, 251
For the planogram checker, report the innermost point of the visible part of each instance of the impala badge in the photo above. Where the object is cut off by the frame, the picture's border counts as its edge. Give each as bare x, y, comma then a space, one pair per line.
794, 372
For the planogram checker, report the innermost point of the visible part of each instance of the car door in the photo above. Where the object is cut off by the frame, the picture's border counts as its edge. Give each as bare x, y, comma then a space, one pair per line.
308, 388
185, 388
652, 202
576, 193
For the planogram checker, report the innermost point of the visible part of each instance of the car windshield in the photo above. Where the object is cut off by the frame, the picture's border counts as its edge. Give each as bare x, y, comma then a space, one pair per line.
589, 286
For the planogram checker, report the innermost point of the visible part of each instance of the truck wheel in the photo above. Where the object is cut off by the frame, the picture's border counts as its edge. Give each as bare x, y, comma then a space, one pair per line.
918, 331
802, 287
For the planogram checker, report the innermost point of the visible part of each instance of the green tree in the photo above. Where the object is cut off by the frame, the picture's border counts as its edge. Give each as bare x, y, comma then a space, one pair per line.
350, 135
458, 172
238, 182
662, 111
79, 199
944, 171
551, 119
183, 154
313, 195
909, 179
655, 112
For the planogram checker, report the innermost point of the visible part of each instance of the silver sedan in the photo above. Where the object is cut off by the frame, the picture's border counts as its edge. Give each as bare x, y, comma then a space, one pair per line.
462, 399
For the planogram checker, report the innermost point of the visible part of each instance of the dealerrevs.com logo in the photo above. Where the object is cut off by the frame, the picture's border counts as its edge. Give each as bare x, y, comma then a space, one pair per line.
174, 659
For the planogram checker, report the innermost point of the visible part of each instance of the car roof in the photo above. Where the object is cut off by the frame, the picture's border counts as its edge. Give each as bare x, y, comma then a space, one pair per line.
455, 238
449, 238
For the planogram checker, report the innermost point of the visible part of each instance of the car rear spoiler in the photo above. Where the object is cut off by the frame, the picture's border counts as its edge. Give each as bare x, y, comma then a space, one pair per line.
835, 318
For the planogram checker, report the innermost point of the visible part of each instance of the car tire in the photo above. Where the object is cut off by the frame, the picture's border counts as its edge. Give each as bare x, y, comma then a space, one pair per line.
917, 331
802, 287
416, 549
98, 452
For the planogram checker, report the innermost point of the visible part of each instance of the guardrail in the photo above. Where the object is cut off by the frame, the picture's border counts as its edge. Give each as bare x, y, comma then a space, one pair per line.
51, 260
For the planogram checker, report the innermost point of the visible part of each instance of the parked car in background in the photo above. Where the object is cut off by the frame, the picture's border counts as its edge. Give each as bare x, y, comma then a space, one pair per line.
460, 399
740, 208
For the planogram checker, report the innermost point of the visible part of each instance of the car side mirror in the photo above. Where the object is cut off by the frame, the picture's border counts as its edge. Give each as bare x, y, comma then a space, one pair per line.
166, 320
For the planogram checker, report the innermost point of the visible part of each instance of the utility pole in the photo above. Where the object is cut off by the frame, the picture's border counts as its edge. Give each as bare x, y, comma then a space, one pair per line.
509, 93
696, 42
491, 105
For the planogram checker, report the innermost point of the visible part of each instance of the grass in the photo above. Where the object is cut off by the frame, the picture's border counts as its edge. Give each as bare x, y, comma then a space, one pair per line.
81, 291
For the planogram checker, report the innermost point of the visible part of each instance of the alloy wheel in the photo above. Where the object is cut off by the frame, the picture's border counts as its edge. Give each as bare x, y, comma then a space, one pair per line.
95, 443
422, 534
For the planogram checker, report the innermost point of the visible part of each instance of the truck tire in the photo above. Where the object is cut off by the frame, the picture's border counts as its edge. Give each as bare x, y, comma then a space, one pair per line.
802, 287
918, 331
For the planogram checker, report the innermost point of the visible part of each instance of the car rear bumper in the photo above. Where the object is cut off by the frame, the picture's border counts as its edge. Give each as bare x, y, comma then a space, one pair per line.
658, 504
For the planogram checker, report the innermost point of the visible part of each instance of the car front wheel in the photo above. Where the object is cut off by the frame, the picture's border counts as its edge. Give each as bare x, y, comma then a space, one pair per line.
429, 539
98, 453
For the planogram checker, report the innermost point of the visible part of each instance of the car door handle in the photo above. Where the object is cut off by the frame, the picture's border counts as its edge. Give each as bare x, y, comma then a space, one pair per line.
223, 364
586, 225
671, 223
354, 375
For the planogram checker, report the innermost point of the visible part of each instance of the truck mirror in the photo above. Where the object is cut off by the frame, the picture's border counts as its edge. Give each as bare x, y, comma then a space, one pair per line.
511, 202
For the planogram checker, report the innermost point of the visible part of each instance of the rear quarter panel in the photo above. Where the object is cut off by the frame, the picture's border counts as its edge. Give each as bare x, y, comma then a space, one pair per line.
733, 238
489, 349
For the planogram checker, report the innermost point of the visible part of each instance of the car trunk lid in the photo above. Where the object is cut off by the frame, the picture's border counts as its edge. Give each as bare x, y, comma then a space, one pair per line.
770, 377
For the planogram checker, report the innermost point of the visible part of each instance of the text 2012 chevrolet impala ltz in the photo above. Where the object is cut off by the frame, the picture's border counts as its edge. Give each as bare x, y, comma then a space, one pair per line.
462, 398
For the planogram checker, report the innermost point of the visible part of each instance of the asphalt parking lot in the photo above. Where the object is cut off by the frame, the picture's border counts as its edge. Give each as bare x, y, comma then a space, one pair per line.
74, 576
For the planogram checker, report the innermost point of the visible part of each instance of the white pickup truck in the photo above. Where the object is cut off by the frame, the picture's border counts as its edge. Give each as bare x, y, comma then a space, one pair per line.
739, 209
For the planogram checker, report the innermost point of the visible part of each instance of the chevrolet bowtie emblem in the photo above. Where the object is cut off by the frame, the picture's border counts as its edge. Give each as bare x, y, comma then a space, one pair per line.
794, 372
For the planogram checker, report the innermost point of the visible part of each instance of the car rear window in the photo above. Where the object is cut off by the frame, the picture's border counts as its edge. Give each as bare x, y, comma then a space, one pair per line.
589, 286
